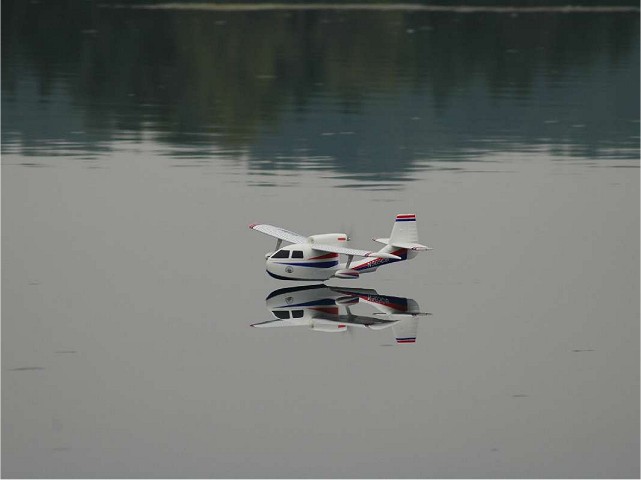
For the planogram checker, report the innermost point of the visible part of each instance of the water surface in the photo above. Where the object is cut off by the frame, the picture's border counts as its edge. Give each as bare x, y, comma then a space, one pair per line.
137, 146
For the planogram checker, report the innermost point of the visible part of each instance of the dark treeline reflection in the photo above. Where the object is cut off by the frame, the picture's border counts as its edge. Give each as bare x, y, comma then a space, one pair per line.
354, 91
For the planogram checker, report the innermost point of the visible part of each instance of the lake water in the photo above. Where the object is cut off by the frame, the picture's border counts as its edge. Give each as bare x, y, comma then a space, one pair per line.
139, 144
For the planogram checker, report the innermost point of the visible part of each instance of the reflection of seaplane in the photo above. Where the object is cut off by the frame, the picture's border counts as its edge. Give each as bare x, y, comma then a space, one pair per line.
318, 307
316, 257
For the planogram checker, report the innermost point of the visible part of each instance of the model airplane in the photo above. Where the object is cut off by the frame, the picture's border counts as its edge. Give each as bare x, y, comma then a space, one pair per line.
316, 257
318, 307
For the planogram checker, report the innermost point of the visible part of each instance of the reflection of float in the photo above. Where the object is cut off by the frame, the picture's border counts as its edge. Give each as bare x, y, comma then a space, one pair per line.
319, 308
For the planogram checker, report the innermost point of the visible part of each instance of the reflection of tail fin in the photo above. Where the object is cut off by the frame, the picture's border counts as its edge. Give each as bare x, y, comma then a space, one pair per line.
404, 234
406, 330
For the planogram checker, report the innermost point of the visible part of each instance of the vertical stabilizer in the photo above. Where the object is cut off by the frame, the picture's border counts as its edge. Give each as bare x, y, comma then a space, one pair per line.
404, 230
405, 331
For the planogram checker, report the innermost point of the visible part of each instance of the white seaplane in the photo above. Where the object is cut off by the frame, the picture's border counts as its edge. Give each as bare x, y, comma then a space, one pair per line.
316, 257
319, 307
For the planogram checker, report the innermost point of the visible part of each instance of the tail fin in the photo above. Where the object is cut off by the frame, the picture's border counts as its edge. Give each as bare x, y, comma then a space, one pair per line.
404, 229
404, 233
406, 330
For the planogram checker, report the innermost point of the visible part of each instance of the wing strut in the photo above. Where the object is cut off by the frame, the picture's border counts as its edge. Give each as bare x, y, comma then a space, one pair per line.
349, 260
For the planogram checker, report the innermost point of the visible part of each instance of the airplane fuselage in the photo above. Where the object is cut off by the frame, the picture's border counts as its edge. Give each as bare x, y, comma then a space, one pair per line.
302, 262
317, 257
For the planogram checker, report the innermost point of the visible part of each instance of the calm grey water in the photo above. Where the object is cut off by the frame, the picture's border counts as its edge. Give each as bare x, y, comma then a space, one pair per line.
137, 146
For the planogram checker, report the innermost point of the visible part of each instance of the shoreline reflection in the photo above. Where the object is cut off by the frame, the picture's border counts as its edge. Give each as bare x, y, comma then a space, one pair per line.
328, 309
373, 96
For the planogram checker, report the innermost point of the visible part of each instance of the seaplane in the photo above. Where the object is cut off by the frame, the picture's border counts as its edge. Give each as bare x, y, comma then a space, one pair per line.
316, 257
319, 307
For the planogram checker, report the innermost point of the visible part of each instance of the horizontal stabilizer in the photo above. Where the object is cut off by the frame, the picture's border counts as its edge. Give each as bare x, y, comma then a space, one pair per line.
410, 246
406, 245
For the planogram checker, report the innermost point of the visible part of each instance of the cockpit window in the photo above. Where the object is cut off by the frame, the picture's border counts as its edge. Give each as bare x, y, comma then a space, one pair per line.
282, 315
281, 254
298, 313
297, 254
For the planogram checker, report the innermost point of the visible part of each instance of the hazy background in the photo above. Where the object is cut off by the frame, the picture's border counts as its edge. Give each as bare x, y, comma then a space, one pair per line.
137, 145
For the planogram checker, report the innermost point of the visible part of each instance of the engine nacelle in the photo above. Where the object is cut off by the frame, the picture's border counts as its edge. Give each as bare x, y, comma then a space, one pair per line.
347, 273
329, 238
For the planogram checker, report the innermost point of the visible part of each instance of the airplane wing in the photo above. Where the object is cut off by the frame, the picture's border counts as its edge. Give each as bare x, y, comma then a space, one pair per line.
276, 323
352, 251
278, 233
297, 238
356, 320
